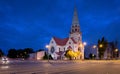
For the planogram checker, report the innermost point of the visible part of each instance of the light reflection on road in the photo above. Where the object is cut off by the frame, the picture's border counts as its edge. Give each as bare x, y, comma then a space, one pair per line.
4, 67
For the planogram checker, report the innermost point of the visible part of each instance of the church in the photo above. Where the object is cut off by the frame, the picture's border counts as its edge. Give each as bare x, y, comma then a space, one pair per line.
58, 46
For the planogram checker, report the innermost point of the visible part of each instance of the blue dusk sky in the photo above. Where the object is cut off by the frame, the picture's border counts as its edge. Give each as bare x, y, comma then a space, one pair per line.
32, 23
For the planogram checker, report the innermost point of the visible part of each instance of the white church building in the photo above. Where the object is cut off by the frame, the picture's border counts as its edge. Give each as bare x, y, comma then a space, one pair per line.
58, 46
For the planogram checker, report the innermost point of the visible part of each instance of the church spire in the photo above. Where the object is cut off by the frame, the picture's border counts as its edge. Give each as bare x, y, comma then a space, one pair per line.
75, 22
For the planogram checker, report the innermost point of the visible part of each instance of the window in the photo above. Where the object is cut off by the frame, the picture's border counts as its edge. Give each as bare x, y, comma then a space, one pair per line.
75, 29
52, 50
69, 42
52, 42
59, 49
79, 49
64, 49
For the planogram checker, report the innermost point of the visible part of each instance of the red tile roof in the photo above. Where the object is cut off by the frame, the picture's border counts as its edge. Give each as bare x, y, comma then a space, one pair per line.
60, 42
73, 40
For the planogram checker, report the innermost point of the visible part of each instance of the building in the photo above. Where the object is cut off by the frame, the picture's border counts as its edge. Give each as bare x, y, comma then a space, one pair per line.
37, 56
40, 55
32, 56
111, 51
58, 46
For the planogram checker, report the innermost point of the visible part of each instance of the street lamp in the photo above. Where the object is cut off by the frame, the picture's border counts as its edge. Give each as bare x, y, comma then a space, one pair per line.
100, 45
84, 43
95, 47
116, 50
93, 56
47, 46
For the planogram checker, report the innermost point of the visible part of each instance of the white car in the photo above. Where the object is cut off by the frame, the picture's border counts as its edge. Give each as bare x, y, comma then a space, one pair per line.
5, 60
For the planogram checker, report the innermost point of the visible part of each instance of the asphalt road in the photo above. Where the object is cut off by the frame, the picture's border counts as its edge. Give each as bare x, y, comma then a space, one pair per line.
61, 67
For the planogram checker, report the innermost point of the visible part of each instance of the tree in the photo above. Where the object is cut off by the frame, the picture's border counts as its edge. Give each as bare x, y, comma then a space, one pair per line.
69, 54
92, 56
20, 53
102, 45
73, 55
1, 53
26, 52
12, 53
23, 53
46, 56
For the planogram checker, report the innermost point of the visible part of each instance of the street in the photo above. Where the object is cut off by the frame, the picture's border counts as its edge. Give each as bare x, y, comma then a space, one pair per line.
61, 67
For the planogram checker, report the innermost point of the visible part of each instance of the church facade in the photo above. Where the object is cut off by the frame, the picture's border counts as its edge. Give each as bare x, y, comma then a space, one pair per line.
58, 46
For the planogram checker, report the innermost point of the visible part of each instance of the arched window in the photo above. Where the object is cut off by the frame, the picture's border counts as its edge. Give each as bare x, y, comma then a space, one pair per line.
79, 49
69, 42
64, 49
52, 50
75, 29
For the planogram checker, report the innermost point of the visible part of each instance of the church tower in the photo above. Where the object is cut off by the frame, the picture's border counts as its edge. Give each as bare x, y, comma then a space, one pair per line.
75, 32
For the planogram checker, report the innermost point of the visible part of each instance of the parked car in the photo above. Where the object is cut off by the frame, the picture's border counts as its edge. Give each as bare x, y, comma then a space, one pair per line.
5, 60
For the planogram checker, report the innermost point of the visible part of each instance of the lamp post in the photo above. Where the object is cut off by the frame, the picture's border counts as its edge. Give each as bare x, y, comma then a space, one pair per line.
116, 52
95, 47
84, 44
47, 46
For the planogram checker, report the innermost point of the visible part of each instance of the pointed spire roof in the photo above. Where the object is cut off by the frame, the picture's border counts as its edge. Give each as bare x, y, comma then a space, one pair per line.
75, 20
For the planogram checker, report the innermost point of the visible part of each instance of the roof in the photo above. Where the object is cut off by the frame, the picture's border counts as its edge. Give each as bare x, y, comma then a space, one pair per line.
60, 42
73, 40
